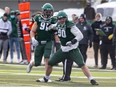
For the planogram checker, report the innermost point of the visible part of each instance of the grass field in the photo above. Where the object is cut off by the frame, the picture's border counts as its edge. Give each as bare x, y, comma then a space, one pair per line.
14, 75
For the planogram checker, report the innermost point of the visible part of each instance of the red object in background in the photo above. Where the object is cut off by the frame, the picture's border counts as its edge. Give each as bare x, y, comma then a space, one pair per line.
24, 8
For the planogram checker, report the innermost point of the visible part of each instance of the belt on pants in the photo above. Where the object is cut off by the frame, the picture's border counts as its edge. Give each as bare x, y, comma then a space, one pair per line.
42, 42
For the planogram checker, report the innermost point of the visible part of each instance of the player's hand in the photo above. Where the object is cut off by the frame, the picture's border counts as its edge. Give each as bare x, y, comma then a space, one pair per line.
52, 27
34, 42
69, 43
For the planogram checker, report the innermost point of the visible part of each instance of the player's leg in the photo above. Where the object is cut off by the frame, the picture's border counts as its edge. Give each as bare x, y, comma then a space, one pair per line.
38, 54
47, 53
78, 58
56, 58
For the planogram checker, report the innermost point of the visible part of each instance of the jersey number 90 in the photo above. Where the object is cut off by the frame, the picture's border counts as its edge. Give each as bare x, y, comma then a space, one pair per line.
62, 33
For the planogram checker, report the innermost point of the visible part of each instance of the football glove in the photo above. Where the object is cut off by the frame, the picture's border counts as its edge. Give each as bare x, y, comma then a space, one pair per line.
34, 41
52, 27
69, 43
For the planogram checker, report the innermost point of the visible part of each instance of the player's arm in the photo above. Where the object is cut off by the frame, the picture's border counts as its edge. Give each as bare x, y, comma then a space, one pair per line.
77, 33
32, 34
78, 36
33, 30
57, 40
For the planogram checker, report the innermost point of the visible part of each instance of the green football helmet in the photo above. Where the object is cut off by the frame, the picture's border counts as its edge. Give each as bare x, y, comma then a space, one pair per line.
61, 15
47, 10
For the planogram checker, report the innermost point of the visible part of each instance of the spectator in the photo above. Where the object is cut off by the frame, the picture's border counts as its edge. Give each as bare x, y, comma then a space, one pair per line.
106, 46
14, 37
21, 38
114, 43
5, 31
114, 39
96, 25
7, 11
88, 36
75, 18
90, 13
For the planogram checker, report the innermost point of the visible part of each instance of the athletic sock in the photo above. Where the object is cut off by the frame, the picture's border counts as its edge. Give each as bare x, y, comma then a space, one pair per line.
90, 78
47, 77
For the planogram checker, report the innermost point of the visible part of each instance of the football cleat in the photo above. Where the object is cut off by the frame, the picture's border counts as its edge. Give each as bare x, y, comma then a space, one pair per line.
29, 67
93, 82
24, 62
43, 80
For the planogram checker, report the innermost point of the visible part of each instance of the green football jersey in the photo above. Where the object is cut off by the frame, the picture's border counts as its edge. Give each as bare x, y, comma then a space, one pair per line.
64, 32
42, 30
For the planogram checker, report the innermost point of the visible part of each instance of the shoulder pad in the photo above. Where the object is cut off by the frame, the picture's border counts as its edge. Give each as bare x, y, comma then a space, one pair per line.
69, 24
53, 19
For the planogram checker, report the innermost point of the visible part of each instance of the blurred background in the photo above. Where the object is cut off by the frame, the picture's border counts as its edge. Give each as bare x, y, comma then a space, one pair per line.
58, 4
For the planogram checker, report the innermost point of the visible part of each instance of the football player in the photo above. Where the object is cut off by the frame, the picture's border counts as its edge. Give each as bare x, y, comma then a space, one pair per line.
69, 36
41, 36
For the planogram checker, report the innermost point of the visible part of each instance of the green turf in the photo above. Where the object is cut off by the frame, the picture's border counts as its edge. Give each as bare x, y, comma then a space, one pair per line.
13, 75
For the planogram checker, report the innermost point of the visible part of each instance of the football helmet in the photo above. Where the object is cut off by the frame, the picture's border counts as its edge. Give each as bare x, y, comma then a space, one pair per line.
47, 10
61, 15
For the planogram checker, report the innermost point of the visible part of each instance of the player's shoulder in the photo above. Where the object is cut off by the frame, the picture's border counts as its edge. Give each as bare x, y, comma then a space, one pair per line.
53, 19
69, 24
37, 15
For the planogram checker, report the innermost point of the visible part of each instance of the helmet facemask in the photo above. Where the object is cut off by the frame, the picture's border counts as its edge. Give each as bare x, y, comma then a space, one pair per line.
48, 13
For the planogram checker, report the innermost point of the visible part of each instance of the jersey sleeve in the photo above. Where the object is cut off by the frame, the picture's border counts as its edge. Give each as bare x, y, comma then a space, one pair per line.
69, 24
54, 20
36, 18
